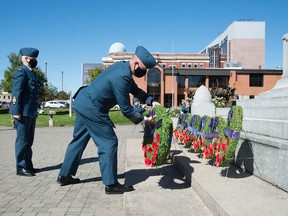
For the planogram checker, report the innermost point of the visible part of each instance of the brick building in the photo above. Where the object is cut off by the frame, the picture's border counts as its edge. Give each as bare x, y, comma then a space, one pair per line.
236, 58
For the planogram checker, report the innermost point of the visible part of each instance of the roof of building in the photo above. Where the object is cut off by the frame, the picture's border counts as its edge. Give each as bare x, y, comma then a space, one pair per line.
218, 71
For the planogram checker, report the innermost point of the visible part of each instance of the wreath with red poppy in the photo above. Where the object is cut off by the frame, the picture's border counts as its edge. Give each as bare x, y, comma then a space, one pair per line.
157, 138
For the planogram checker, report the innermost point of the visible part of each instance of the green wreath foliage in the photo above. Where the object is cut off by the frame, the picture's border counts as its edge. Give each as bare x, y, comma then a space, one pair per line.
220, 149
236, 125
206, 125
165, 131
197, 122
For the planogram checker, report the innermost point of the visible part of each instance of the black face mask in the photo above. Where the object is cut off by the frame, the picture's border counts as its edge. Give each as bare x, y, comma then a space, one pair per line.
139, 72
33, 63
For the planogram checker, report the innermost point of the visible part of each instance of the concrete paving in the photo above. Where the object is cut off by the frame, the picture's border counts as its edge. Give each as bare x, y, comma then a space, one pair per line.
230, 190
159, 191
189, 186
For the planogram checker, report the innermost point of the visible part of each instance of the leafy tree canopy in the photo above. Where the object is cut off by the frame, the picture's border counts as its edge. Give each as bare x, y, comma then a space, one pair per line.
93, 73
47, 91
15, 63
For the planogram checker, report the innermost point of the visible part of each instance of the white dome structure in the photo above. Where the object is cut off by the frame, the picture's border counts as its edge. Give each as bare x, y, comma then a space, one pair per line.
117, 48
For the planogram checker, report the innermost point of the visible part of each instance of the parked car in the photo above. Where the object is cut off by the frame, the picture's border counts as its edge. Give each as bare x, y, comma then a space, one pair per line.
66, 104
4, 105
54, 104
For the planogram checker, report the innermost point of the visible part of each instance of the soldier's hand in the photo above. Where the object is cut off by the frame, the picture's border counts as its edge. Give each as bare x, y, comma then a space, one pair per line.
151, 120
155, 103
18, 117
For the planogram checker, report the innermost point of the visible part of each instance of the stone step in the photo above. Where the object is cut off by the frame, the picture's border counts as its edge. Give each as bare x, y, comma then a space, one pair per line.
264, 102
266, 127
274, 113
280, 92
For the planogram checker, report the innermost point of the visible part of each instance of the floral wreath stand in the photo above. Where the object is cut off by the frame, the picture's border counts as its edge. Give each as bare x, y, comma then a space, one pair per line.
213, 138
157, 138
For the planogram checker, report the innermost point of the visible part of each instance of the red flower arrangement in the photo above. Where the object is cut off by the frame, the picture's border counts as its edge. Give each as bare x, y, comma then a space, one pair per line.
157, 138
220, 151
150, 151
219, 146
183, 136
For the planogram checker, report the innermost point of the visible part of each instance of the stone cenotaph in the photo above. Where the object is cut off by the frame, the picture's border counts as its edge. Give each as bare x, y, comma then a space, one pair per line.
263, 147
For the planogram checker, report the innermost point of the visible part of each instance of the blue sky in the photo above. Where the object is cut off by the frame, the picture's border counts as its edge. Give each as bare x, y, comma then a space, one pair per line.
71, 32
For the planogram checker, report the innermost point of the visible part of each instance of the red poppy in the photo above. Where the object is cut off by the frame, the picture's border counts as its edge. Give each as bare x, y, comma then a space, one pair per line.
147, 162
157, 137
154, 145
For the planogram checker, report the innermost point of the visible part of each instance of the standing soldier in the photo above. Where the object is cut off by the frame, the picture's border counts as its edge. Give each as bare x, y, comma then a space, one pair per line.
23, 108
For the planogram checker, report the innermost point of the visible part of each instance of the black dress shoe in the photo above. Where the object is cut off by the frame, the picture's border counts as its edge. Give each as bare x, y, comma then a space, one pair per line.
67, 180
36, 170
118, 189
25, 172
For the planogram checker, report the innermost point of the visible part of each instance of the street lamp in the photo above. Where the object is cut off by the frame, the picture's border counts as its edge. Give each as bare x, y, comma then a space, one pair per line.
173, 74
46, 70
62, 80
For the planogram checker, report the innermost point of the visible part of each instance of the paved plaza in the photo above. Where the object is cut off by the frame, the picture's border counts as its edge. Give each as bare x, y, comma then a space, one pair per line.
159, 191
188, 186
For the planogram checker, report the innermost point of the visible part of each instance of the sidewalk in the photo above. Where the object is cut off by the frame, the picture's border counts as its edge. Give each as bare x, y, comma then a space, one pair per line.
159, 191
229, 191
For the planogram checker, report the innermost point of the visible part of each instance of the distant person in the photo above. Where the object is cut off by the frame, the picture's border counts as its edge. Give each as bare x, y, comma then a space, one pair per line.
234, 98
23, 108
138, 107
92, 104
186, 108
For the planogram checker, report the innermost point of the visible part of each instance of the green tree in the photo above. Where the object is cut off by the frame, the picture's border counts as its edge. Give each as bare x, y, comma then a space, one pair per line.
15, 63
62, 95
50, 93
93, 73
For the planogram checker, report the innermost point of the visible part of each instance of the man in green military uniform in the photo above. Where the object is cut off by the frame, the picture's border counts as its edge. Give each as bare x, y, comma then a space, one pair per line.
23, 108
92, 104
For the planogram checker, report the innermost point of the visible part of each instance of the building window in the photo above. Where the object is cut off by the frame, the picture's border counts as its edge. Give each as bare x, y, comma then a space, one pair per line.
181, 81
168, 100
164, 65
218, 81
189, 65
201, 65
256, 80
153, 85
172, 66
195, 65
196, 81
183, 65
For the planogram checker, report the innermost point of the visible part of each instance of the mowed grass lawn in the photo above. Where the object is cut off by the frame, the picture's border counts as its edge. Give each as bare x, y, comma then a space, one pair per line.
61, 118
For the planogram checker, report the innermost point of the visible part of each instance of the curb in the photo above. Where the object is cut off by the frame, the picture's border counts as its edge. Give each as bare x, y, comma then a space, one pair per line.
182, 163
228, 190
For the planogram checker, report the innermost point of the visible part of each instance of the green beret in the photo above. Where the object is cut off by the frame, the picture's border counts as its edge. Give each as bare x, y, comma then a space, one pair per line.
144, 55
31, 52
